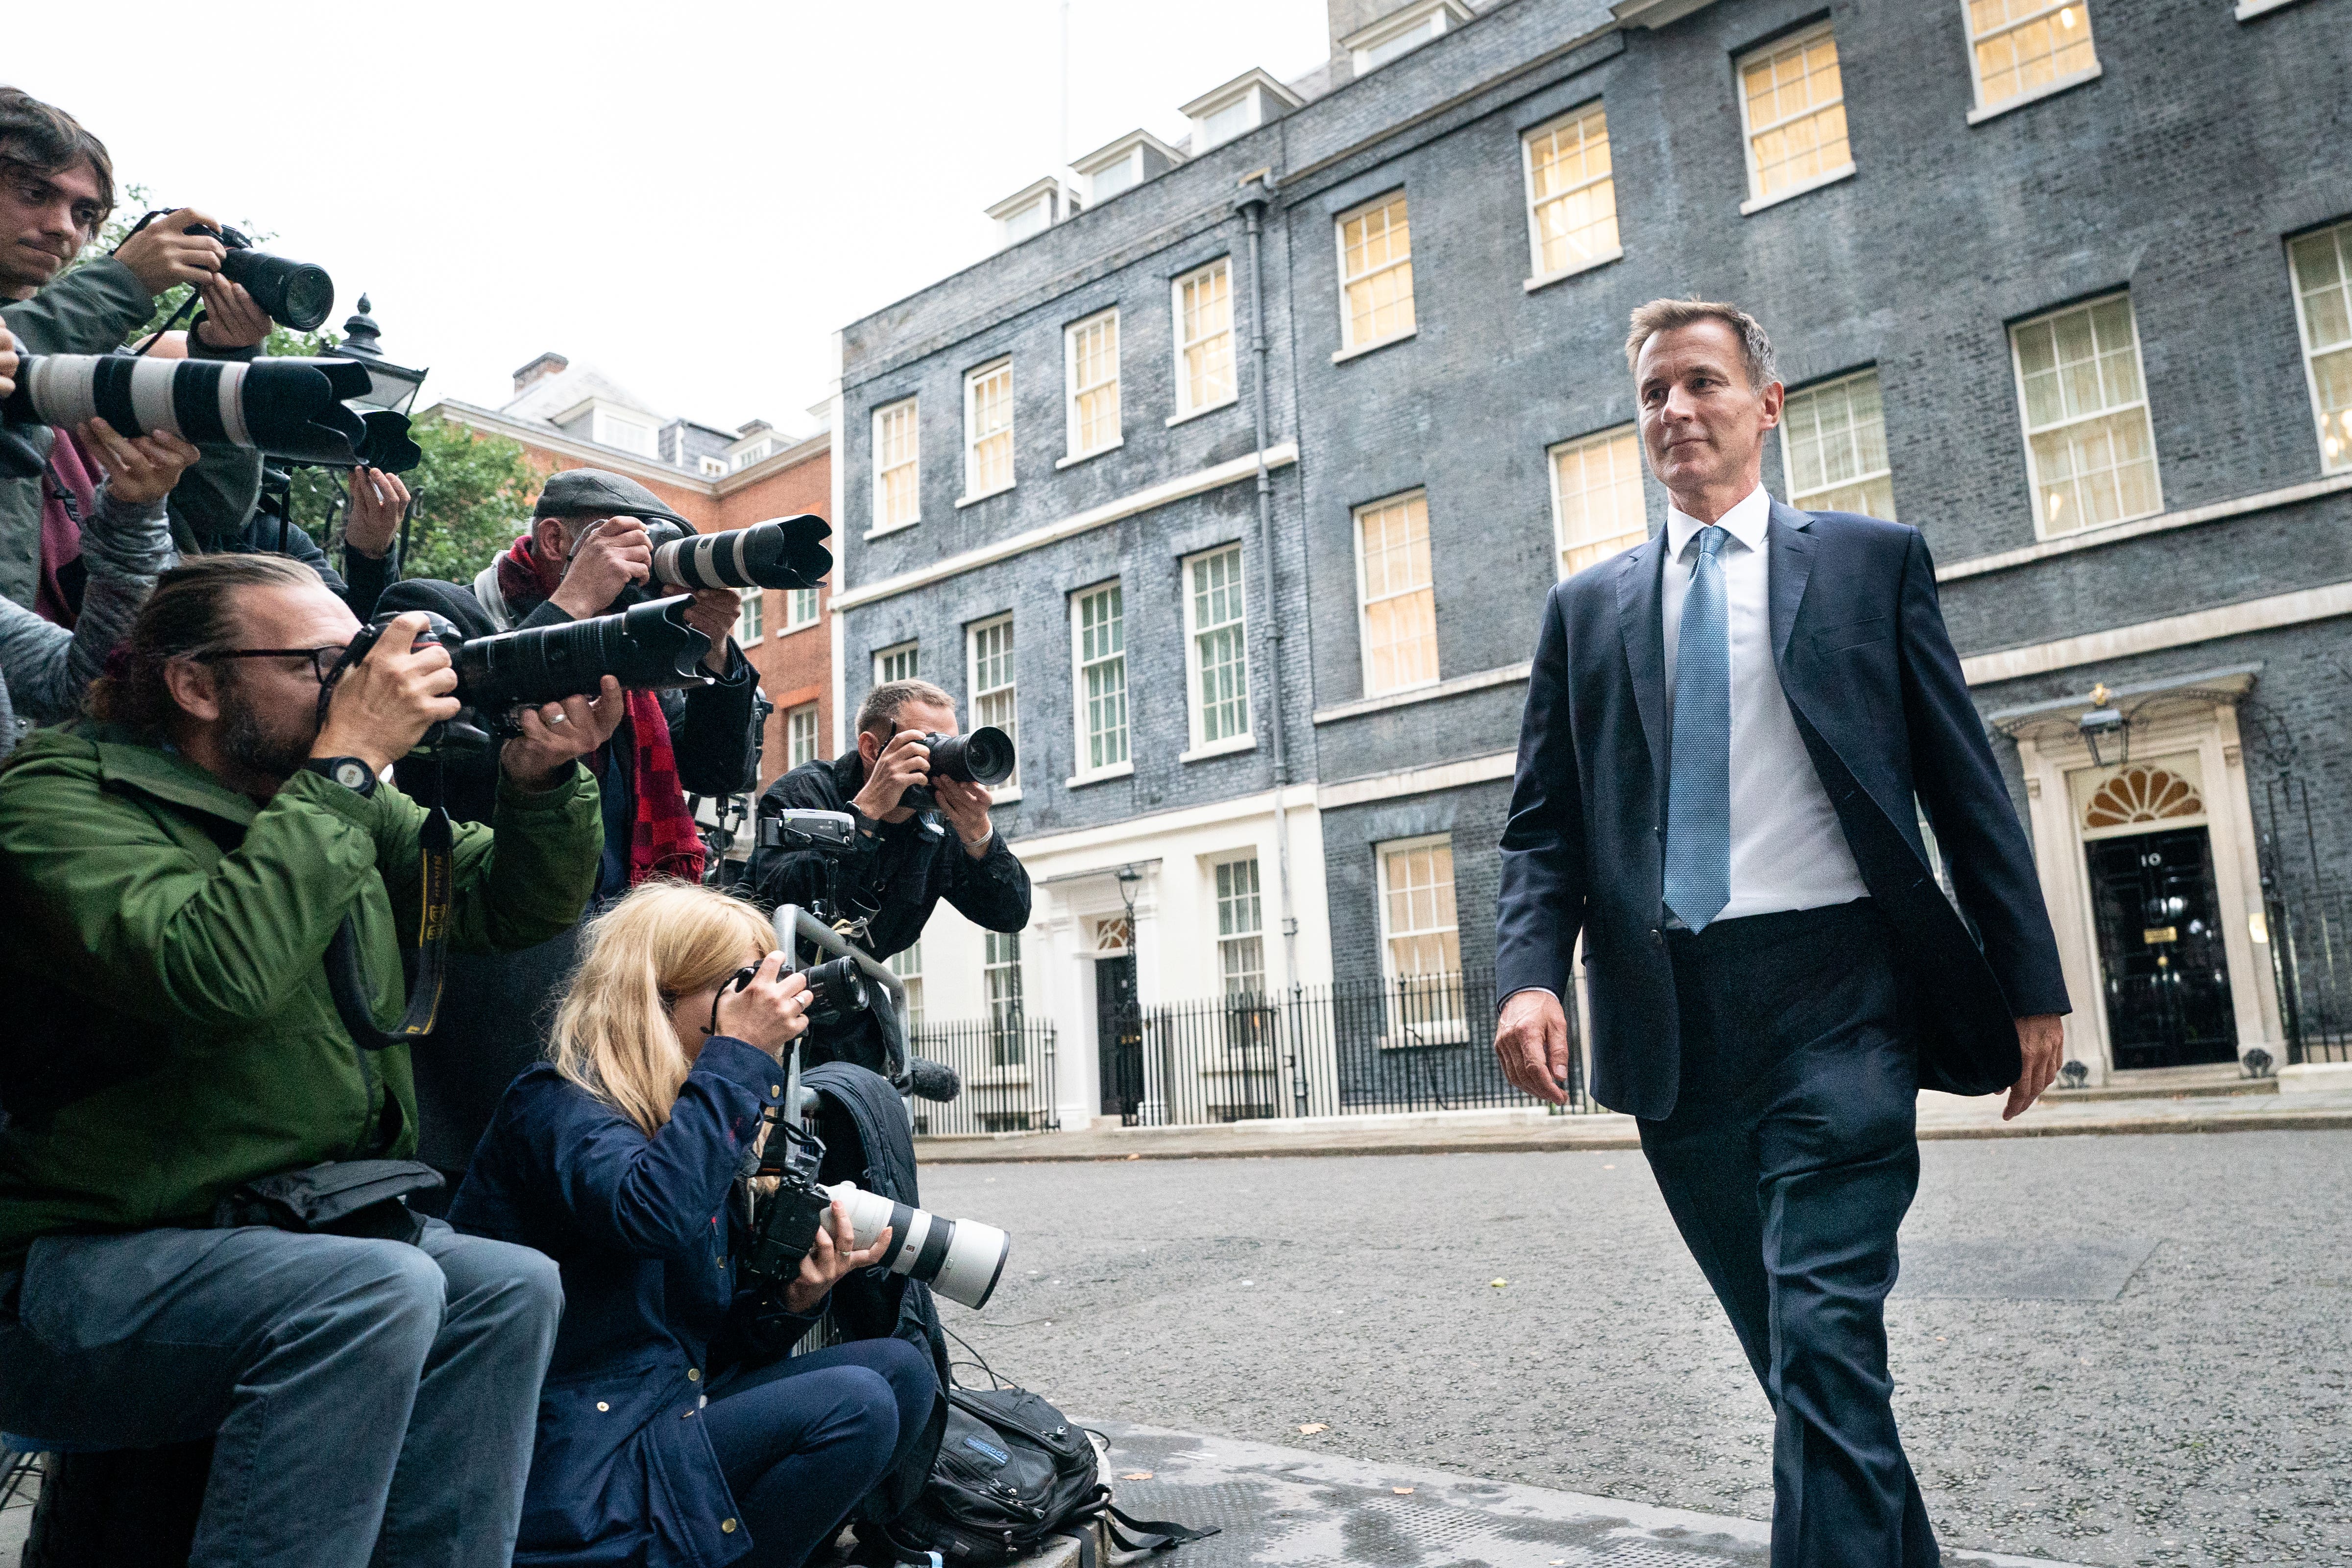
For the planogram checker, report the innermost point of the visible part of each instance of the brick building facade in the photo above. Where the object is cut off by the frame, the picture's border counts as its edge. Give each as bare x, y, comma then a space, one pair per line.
568, 417
2068, 288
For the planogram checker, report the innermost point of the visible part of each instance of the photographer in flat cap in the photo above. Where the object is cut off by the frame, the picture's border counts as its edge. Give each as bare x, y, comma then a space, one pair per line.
587, 547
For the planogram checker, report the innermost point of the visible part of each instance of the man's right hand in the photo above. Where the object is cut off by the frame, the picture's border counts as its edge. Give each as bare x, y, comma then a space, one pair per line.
164, 254
906, 761
384, 705
618, 553
7, 363
1531, 1042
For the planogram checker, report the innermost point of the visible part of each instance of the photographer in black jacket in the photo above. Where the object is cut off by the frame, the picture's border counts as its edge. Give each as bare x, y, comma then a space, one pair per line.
905, 860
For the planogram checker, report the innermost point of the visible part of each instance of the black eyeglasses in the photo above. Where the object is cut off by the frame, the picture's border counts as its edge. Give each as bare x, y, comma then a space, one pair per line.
323, 660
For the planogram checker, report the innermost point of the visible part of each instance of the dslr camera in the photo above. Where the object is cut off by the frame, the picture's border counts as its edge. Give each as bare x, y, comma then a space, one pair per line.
983, 756
783, 553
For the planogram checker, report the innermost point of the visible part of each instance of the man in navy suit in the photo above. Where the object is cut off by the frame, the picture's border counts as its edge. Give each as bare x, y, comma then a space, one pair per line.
1731, 731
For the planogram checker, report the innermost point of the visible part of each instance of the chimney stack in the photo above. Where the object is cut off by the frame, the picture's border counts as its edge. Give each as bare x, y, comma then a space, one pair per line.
538, 370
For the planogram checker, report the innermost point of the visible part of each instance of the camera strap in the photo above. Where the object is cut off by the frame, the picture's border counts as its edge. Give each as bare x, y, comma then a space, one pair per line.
436, 879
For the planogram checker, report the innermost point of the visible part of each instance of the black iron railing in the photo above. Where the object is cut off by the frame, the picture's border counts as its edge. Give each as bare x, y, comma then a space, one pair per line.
1418, 1043
1007, 1068
2308, 918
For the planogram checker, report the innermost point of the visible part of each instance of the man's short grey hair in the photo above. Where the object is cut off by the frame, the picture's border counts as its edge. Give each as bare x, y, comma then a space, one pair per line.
880, 708
1672, 315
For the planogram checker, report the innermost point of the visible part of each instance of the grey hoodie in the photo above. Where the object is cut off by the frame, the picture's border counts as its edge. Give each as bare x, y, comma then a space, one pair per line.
44, 668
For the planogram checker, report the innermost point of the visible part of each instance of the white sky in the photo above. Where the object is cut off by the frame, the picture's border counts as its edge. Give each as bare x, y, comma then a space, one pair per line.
690, 196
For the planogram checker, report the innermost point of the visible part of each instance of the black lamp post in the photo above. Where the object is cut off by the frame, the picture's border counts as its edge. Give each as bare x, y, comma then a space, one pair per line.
390, 386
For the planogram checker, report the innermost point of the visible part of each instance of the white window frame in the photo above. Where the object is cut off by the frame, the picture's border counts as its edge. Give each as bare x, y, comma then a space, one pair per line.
792, 718
1428, 1030
2027, 432
971, 381
1196, 711
1984, 112
1071, 390
1537, 274
750, 616
2342, 234
1349, 347
1185, 407
1364, 599
978, 705
913, 649
1757, 199
602, 423
1225, 941
795, 601
913, 465
1560, 545
713, 467
1788, 461
1370, 48
1082, 772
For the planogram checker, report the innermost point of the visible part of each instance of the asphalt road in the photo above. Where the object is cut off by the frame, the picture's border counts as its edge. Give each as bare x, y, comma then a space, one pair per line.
2108, 1350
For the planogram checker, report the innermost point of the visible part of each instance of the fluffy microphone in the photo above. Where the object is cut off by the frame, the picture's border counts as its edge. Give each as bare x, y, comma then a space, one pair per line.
929, 1079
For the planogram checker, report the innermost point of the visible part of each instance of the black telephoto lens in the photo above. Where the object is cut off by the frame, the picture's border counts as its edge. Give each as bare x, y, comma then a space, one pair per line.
295, 293
983, 756
648, 647
837, 990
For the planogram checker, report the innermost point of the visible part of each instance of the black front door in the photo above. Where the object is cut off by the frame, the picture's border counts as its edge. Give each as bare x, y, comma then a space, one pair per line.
1119, 1037
2160, 957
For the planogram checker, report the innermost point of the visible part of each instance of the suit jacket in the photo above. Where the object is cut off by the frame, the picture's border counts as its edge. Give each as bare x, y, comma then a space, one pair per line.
1860, 646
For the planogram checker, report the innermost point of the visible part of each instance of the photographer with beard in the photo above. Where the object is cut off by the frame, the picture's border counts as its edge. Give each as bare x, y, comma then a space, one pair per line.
905, 860
172, 874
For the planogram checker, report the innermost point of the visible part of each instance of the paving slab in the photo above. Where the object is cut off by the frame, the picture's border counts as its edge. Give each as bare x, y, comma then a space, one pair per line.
1276, 1506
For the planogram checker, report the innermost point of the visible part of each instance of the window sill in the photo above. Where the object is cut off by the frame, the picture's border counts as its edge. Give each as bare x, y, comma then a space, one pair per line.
1228, 746
894, 527
963, 501
2250, 9
1360, 349
1436, 1032
1004, 797
805, 625
1116, 770
2048, 89
2043, 535
1176, 419
1075, 458
1548, 279
1758, 203
1427, 691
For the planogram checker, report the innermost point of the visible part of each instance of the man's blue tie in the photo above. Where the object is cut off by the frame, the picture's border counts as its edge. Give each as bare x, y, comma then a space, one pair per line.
1699, 787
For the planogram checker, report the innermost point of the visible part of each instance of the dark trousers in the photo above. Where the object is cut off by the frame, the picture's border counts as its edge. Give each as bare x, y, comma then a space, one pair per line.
1788, 1165
802, 1440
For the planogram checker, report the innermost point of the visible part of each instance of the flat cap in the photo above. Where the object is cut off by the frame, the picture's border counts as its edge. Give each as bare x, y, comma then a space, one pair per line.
592, 493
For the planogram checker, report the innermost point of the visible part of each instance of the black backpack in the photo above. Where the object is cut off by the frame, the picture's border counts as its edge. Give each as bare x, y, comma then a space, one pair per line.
1013, 1473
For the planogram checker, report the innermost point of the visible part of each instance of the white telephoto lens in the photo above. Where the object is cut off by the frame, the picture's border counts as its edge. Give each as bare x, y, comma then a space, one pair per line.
960, 1258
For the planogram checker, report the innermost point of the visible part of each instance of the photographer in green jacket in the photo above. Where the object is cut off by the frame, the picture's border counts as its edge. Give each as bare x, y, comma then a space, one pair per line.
172, 872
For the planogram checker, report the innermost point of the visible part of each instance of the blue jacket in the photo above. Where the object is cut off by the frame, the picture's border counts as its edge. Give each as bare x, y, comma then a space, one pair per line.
647, 1239
1859, 643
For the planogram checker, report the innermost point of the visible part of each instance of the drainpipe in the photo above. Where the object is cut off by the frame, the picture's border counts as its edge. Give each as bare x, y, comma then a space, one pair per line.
1256, 197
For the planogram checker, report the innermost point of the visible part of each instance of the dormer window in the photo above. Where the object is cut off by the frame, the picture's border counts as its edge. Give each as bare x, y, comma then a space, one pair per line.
1034, 210
1124, 165
632, 435
1369, 48
1241, 106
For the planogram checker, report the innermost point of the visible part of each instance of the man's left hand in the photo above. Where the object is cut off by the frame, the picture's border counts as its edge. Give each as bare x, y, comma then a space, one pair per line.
232, 319
712, 613
557, 734
2041, 1044
379, 500
966, 807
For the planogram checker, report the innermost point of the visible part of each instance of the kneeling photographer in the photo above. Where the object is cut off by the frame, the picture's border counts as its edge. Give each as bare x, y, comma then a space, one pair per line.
197, 898
907, 856
674, 1424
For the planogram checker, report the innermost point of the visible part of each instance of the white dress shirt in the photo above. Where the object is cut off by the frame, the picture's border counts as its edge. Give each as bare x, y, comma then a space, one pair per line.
1787, 849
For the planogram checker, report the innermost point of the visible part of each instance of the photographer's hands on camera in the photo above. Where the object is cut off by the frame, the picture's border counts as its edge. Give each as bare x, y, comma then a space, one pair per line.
384, 705
906, 762
379, 500
615, 553
140, 471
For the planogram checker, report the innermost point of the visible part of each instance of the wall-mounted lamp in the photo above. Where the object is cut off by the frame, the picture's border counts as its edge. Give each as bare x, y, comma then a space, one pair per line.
2103, 722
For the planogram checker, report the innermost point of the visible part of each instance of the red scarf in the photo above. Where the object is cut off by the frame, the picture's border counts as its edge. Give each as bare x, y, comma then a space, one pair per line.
663, 841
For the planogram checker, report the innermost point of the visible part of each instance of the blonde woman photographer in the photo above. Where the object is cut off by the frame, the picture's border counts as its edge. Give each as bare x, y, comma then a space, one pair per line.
673, 1424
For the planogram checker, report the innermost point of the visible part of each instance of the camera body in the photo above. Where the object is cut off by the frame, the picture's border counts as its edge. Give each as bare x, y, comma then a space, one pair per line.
985, 756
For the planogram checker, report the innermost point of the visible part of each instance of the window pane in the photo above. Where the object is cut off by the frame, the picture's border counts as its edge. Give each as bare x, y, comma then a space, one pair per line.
1836, 446
1574, 215
2021, 45
895, 492
800, 734
1204, 339
993, 691
2086, 418
1094, 384
1376, 272
1220, 654
2322, 282
1418, 906
988, 430
1596, 492
1400, 607
1102, 665
1796, 113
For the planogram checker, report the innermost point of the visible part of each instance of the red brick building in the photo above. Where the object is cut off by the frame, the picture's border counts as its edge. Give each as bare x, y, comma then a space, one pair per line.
573, 417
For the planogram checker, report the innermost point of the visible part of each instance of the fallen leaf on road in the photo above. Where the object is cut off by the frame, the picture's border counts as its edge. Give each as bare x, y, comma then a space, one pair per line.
1402, 1492
1135, 1156
1498, 1284
1137, 1475
1312, 1427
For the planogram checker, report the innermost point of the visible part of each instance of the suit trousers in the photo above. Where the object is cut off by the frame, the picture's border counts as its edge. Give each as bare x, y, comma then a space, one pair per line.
1788, 1164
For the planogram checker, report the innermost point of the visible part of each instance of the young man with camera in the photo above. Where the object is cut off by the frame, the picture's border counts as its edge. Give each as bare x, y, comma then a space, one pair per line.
175, 876
57, 186
908, 856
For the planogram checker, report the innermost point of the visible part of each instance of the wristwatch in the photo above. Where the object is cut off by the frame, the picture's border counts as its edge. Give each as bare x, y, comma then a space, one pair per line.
351, 772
